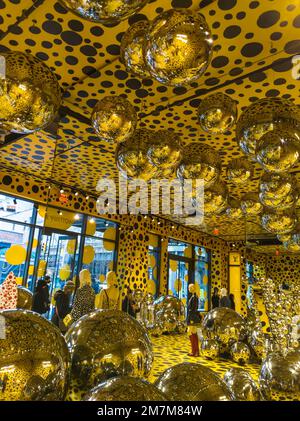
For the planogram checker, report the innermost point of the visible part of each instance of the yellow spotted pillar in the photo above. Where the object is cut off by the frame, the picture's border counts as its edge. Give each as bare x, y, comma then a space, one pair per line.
235, 279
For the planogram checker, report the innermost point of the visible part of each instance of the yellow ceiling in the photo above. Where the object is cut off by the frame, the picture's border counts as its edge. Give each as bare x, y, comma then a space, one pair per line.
254, 42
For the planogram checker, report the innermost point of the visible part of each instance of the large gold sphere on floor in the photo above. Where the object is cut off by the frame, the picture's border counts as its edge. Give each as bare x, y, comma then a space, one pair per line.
217, 113
30, 95
132, 49
132, 159
278, 151
210, 349
25, 297
278, 222
224, 325
114, 119
125, 389
34, 358
200, 161
242, 385
192, 382
263, 116
239, 171
279, 377
108, 343
165, 150
240, 352
104, 11
251, 205
258, 342
178, 47
215, 199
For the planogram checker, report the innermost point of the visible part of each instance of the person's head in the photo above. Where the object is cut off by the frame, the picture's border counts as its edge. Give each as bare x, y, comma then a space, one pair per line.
231, 296
192, 288
69, 287
85, 277
216, 291
47, 279
111, 279
223, 292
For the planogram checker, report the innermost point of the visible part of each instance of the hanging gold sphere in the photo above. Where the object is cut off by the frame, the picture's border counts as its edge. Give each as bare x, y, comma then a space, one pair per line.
178, 47
278, 222
104, 11
277, 191
217, 113
131, 156
30, 95
263, 116
293, 244
200, 161
215, 199
165, 150
278, 151
251, 205
284, 237
132, 49
114, 119
239, 171
234, 209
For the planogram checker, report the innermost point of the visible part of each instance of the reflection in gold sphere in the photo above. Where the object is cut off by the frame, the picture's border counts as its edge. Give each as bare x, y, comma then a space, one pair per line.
114, 119
108, 12
251, 205
165, 150
192, 382
263, 116
131, 156
293, 243
108, 343
234, 209
277, 191
215, 199
200, 162
242, 385
178, 47
240, 352
169, 312
217, 113
278, 151
239, 171
278, 222
125, 389
280, 377
34, 359
30, 95
25, 297
210, 349
284, 237
132, 49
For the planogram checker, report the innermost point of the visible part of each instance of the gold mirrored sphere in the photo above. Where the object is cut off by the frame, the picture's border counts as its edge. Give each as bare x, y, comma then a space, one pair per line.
278, 222
217, 113
132, 159
240, 352
165, 150
192, 382
125, 389
234, 209
34, 358
239, 171
293, 243
107, 12
242, 385
263, 116
210, 349
178, 47
278, 151
215, 199
131, 54
277, 191
25, 298
251, 205
30, 95
108, 343
114, 119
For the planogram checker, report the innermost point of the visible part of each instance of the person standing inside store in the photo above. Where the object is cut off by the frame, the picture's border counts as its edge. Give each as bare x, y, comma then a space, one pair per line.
40, 301
224, 300
63, 306
128, 304
215, 299
232, 303
193, 321
108, 298
84, 300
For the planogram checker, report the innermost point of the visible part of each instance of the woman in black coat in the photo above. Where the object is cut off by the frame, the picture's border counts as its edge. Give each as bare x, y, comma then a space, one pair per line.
40, 301
193, 320
215, 299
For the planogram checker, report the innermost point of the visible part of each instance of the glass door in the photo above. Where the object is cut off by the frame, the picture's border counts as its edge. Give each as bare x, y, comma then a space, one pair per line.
180, 276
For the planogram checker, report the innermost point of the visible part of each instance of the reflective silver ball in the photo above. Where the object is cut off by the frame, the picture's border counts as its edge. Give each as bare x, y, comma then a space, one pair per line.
165, 150
215, 199
192, 382
25, 297
234, 209
108, 343
278, 222
239, 171
178, 47
242, 385
210, 349
258, 343
251, 205
240, 352
217, 113
114, 119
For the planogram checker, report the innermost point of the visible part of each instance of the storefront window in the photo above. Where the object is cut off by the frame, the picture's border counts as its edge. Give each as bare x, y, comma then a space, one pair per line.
153, 264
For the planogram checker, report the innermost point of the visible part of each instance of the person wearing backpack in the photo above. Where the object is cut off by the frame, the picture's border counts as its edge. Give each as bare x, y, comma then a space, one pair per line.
63, 306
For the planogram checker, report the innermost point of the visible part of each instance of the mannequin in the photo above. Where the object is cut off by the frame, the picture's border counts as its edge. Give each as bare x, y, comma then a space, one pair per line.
108, 298
193, 319
84, 300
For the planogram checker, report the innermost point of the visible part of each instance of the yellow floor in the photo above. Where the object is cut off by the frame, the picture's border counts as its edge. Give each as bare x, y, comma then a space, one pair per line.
170, 350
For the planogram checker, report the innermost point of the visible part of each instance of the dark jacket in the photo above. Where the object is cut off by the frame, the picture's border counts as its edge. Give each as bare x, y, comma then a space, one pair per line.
193, 315
62, 307
84, 302
232, 303
215, 301
225, 302
40, 301
128, 307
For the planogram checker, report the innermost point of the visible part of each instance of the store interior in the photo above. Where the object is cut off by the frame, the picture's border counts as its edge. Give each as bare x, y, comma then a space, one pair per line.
93, 96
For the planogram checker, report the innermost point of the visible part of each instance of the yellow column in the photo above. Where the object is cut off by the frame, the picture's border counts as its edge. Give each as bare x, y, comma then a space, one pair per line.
235, 279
